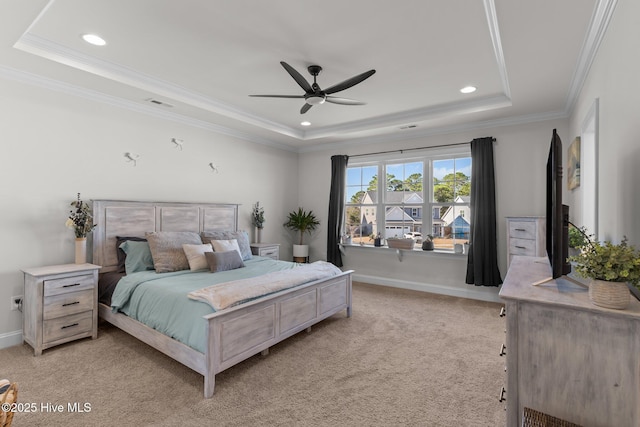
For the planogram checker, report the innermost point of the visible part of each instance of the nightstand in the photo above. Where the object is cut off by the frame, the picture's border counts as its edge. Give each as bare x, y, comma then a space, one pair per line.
60, 304
271, 250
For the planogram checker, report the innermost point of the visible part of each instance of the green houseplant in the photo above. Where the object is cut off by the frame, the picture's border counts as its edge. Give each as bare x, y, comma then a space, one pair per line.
301, 222
610, 267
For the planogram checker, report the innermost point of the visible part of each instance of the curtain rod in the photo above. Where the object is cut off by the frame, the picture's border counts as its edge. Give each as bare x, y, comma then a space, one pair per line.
413, 149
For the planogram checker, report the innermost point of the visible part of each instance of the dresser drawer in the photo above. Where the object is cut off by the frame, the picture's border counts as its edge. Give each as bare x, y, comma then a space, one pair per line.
68, 284
67, 326
522, 229
68, 303
522, 247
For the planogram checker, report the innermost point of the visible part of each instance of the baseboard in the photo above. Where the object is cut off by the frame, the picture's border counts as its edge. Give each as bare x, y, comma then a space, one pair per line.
10, 339
473, 292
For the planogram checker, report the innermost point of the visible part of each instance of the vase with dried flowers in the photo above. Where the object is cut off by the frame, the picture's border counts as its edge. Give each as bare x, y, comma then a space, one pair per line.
257, 218
81, 221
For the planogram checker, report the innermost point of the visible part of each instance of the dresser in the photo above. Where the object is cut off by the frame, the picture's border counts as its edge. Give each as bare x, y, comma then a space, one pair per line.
60, 304
271, 250
526, 235
566, 357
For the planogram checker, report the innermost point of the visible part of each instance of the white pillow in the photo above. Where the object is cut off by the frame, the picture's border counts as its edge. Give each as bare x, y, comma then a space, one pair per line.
195, 255
226, 245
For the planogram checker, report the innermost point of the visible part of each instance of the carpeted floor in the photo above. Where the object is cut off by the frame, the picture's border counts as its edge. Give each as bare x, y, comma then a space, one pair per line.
404, 358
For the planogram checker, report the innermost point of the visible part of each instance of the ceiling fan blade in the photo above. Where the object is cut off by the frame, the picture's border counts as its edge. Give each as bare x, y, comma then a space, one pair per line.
277, 96
304, 84
343, 101
305, 108
349, 82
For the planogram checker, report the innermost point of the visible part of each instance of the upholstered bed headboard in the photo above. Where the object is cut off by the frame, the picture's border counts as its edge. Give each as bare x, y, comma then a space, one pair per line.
134, 219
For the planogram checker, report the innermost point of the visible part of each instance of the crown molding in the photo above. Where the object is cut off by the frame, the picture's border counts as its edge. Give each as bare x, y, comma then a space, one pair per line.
597, 28
92, 95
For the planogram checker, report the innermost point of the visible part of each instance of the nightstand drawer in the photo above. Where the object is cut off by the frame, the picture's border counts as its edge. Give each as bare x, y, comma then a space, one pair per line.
522, 247
69, 303
68, 284
522, 229
67, 326
272, 252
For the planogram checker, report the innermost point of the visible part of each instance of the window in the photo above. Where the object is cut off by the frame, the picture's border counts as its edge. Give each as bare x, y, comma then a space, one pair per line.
394, 208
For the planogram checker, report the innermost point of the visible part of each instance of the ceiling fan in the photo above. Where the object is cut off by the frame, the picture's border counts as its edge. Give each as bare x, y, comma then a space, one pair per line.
313, 95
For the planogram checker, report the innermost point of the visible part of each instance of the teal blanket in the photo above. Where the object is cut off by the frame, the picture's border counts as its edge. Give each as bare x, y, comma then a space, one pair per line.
159, 300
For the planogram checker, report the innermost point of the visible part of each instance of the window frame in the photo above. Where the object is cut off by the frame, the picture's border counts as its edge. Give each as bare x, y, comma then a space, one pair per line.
427, 156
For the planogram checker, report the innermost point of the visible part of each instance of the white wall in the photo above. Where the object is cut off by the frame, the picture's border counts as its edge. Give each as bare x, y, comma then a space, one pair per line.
520, 154
613, 79
55, 145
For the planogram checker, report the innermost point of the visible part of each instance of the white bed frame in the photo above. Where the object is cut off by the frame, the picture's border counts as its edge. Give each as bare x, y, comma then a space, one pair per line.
233, 334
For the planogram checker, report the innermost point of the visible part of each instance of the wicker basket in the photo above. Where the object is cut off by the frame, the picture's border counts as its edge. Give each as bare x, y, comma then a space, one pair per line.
533, 418
614, 295
397, 243
10, 396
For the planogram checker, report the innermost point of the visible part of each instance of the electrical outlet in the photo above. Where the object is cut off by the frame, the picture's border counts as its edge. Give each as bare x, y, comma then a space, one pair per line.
16, 302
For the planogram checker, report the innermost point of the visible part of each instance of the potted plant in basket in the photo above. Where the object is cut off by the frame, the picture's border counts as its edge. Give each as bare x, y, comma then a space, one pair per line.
302, 222
610, 267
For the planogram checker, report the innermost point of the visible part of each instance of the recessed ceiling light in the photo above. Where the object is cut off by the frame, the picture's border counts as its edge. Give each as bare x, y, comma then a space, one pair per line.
305, 123
94, 39
468, 89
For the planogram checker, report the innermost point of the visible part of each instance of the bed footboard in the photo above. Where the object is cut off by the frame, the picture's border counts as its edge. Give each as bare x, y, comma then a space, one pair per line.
240, 332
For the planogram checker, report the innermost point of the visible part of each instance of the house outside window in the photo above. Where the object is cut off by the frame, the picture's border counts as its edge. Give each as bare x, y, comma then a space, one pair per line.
438, 181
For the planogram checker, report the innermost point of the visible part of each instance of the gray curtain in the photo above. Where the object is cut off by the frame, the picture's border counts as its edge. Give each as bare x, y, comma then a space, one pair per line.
482, 261
336, 208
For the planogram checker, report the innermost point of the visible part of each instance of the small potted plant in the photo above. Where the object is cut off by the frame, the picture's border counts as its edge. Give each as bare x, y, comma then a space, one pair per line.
257, 219
427, 243
81, 221
578, 238
301, 222
610, 267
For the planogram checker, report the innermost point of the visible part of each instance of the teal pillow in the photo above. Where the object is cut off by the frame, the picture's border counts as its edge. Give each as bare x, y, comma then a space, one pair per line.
138, 256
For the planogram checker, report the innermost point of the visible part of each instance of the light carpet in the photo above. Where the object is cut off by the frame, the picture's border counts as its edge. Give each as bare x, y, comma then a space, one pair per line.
403, 358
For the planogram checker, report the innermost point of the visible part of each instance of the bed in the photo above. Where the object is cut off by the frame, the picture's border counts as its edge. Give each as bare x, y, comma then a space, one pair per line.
231, 334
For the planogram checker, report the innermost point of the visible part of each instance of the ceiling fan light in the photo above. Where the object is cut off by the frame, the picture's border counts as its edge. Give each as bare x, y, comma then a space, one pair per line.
315, 100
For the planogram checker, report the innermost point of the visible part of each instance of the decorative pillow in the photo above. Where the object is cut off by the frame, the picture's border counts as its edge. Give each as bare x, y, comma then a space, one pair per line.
241, 236
121, 254
223, 261
166, 249
138, 256
195, 255
226, 245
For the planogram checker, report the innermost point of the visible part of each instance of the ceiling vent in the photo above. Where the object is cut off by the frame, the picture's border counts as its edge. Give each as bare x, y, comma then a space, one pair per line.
158, 102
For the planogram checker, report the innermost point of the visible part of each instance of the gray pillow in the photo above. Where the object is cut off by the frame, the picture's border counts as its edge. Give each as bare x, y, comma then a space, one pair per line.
241, 236
166, 249
223, 261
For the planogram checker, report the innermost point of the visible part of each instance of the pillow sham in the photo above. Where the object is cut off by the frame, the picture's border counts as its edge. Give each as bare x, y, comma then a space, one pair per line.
138, 256
241, 236
224, 261
122, 256
166, 249
195, 255
226, 245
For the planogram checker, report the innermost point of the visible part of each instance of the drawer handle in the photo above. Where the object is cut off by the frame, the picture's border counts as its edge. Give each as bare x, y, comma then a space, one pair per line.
503, 350
520, 229
70, 326
521, 247
71, 303
503, 391
70, 286
503, 312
